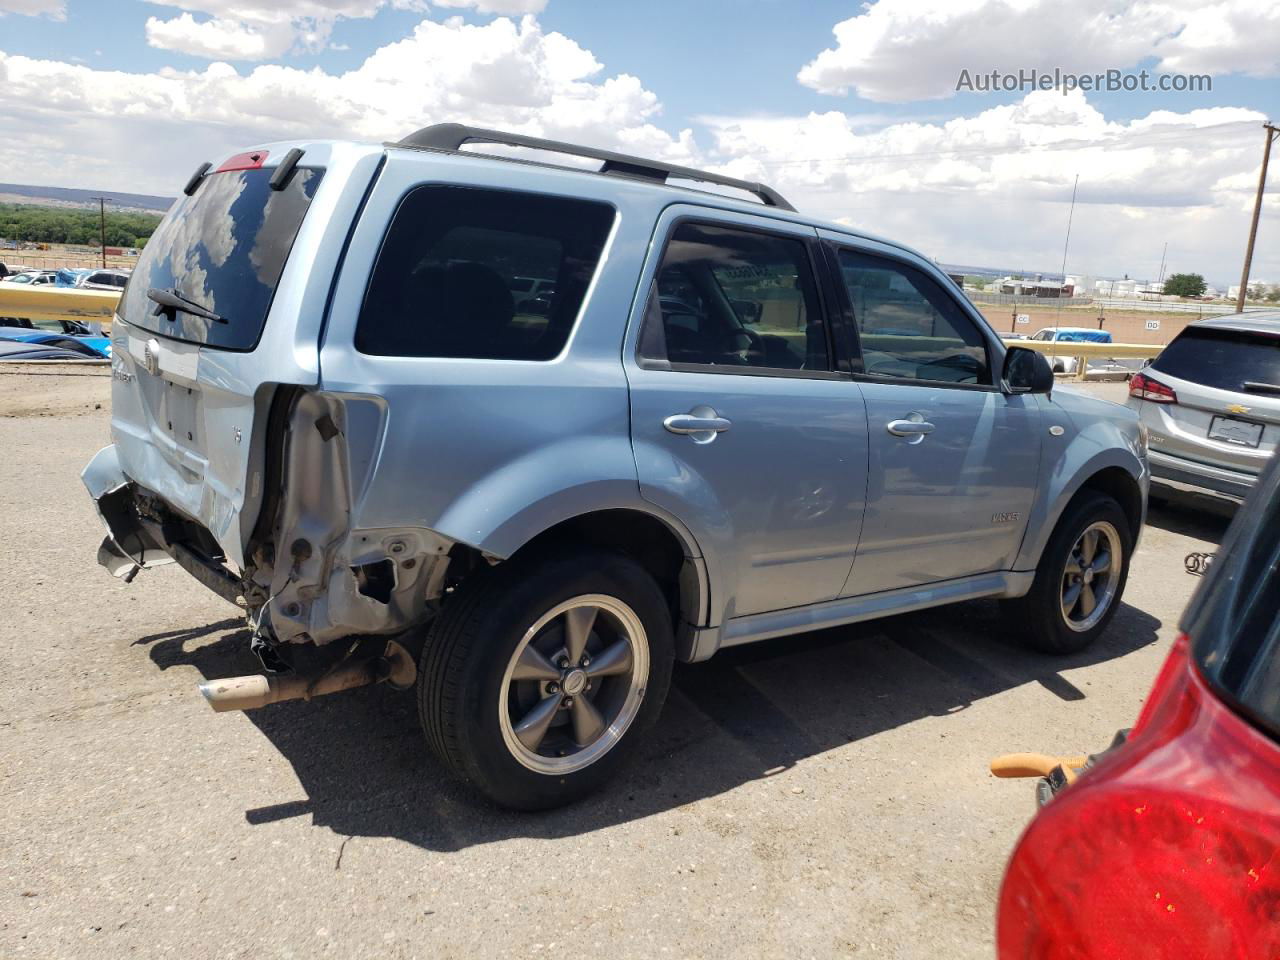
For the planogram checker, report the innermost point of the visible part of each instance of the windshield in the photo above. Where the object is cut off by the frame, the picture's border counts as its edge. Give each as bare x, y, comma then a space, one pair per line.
222, 249
1225, 359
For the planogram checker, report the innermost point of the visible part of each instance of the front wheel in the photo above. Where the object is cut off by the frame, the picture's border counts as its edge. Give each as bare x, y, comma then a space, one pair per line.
536, 682
1080, 579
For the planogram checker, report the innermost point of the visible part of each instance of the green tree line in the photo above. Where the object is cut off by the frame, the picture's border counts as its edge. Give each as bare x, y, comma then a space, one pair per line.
38, 224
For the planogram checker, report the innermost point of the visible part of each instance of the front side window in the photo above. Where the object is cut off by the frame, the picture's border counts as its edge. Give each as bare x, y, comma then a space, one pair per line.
484, 274
729, 297
908, 327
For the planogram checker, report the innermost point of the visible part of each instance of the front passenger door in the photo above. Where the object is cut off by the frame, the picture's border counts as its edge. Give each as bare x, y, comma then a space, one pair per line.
953, 460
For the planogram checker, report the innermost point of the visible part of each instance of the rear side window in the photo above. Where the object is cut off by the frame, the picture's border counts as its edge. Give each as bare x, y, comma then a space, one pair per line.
485, 274
224, 249
1225, 359
1234, 618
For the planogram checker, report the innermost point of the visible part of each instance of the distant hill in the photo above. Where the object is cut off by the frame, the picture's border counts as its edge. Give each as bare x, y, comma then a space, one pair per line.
60, 196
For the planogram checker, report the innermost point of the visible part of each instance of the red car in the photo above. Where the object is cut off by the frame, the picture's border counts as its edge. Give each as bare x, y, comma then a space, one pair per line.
1169, 847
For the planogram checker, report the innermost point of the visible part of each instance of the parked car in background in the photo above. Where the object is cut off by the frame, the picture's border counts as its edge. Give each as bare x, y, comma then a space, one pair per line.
400, 474
75, 328
71, 276
1166, 849
95, 348
1065, 362
103, 279
36, 278
1211, 403
18, 350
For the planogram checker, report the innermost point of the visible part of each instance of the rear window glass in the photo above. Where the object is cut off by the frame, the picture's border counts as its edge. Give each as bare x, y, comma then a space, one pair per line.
1226, 359
224, 249
493, 274
1234, 618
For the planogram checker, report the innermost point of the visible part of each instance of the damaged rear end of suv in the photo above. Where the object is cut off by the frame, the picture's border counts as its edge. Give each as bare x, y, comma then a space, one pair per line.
228, 457
330, 408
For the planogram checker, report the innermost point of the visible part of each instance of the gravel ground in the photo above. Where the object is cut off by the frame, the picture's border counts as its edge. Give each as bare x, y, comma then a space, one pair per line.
817, 796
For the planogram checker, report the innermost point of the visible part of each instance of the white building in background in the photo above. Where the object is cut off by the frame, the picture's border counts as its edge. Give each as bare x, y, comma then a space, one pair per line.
1257, 286
1038, 288
1116, 288
1080, 284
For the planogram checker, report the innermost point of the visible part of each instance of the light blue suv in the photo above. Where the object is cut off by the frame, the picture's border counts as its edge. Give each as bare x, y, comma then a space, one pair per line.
337, 405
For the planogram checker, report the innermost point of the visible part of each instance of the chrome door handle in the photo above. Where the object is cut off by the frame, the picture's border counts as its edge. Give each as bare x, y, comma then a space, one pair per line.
908, 428
687, 423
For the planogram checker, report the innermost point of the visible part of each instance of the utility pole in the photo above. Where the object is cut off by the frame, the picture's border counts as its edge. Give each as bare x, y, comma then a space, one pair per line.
102, 226
1271, 132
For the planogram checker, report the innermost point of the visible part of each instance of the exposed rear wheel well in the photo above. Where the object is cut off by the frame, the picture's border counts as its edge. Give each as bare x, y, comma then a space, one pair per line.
645, 538
1118, 484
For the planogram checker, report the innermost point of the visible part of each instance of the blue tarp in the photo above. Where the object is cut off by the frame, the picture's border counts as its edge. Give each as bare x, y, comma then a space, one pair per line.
1083, 336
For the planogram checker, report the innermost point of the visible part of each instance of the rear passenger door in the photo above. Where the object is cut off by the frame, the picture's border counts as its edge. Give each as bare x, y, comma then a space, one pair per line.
742, 425
953, 460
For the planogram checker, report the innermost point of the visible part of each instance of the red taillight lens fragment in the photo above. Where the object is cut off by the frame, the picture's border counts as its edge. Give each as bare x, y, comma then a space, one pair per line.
1145, 388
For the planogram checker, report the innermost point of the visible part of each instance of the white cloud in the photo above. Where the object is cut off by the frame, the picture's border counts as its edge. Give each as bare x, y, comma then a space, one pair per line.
504, 7
71, 124
257, 29
990, 188
993, 188
900, 50
55, 9
229, 39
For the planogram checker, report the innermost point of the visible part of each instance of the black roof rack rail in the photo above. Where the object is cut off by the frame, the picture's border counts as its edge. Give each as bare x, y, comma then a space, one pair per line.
451, 136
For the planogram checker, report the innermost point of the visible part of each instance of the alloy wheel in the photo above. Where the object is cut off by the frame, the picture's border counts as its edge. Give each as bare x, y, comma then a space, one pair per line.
1091, 576
574, 684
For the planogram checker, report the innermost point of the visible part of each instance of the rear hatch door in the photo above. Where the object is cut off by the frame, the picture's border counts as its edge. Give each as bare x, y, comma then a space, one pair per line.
1228, 387
226, 304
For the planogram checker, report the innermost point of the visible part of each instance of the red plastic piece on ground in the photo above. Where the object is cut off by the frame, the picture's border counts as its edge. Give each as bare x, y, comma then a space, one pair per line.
243, 161
1169, 849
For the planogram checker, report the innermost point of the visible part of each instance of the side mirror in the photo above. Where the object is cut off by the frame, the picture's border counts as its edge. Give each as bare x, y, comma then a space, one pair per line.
1026, 371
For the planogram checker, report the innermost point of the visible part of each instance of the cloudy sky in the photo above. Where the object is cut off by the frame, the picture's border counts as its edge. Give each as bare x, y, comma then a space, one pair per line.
850, 109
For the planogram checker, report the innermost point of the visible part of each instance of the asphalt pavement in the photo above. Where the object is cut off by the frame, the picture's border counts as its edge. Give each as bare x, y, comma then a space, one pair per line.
816, 796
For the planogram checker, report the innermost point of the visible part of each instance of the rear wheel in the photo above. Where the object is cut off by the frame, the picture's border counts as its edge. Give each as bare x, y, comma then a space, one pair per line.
1080, 580
536, 682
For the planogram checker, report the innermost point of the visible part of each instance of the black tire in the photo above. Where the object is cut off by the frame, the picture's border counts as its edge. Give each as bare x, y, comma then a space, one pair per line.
462, 671
1038, 618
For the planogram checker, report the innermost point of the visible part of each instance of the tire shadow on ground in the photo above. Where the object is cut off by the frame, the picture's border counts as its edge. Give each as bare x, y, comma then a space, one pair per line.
749, 713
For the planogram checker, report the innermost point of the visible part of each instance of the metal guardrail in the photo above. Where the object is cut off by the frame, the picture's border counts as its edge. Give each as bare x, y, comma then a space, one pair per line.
46, 303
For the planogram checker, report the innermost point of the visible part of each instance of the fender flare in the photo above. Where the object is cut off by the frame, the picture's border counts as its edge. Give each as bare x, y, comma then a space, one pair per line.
524, 498
1063, 486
